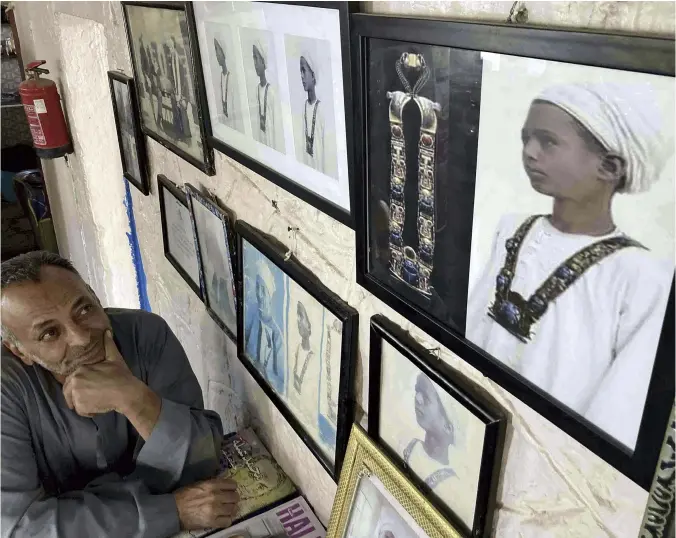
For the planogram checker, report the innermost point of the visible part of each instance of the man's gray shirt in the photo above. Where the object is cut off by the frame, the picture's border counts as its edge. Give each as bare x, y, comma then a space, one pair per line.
68, 476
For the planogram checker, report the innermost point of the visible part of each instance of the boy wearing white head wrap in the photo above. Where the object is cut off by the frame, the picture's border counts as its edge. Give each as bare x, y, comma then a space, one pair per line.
311, 130
265, 111
568, 300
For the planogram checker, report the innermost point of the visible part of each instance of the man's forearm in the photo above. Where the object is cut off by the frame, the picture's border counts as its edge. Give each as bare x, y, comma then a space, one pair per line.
142, 406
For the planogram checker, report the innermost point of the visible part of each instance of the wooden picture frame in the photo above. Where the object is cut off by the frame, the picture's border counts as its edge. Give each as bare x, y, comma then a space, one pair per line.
325, 181
636, 55
401, 505
173, 106
134, 150
459, 397
217, 259
274, 286
164, 187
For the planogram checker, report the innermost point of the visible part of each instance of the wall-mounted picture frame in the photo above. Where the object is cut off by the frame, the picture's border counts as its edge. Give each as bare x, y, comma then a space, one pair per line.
531, 290
278, 84
298, 340
374, 498
214, 240
445, 434
178, 236
129, 135
167, 67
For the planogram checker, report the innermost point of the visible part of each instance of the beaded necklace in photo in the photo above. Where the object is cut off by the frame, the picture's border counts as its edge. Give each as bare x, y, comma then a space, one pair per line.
414, 267
224, 96
262, 116
331, 402
310, 138
298, 379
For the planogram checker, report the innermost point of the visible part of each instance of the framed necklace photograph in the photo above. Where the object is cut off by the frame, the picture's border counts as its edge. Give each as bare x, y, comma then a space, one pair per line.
167, 67
213, 237
446, 435
298, 340
129, 135
177, 233
518, 195
375, 499
277, 78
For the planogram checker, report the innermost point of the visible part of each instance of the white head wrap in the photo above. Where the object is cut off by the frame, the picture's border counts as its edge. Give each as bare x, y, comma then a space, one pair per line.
448, 404
625, 119
311, 62
258, 44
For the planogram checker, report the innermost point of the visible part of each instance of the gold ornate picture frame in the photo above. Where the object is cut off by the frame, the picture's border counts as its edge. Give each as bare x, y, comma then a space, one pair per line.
365, 460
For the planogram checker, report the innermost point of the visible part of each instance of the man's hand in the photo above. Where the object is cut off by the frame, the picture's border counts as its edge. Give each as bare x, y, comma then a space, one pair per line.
212, 503
99, 388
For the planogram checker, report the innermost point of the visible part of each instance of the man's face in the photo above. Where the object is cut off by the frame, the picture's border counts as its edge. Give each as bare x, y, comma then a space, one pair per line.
58, 322
303, 322
307, 77
428, 412
557, 160
259, 64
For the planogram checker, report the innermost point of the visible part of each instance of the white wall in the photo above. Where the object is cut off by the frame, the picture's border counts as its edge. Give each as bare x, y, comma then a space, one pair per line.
550, 486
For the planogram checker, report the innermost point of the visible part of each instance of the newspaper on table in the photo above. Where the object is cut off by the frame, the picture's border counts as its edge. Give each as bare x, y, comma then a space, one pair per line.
261, 482
293, 519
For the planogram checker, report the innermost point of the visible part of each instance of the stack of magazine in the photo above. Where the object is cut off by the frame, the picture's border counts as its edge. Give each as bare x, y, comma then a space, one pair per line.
269, 506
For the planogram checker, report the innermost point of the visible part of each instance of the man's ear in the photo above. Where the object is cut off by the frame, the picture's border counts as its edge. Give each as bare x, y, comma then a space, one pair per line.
613, 169
16, 350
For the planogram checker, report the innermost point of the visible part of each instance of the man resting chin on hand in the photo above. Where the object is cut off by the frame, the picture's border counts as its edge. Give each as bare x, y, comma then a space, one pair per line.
104, 431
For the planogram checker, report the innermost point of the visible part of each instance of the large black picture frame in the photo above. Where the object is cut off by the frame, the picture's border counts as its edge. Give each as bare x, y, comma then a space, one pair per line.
477, 403
639, 54
141, 183
345, 10
276, 253
207, 164
165, 184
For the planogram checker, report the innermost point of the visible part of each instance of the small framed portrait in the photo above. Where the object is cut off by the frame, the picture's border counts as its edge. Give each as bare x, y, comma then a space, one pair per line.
278, 83
214, 239
298, 339
522, 199
376, 500
446, 435
129, 135
167, 68
180, 247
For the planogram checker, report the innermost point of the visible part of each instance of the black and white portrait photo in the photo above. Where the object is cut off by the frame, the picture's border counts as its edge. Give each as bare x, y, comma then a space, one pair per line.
262, 84
125, 118
311, 93
573, 240
162, 55
216, 262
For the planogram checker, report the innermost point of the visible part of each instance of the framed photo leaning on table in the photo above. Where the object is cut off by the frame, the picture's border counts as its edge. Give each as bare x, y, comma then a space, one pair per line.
129, 135
277, 77
446, 434
298, 340
167, 67
531, 213
213, 235
177, 233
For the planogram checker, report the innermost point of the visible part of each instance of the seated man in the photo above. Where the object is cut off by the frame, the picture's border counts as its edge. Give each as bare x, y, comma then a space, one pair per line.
102, 416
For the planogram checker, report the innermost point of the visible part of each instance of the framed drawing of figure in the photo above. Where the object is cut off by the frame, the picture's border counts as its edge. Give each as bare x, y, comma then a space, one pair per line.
167, 67
278, 84
213, 235
129, 135
561, 272
298, 339
177, 233
445, 434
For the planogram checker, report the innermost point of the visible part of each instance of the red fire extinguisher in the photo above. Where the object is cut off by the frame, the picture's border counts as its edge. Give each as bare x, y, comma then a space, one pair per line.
42, 105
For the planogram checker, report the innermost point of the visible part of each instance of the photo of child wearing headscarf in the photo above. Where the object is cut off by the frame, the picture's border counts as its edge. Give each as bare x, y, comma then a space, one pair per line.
311, 94
260, 67
571, 288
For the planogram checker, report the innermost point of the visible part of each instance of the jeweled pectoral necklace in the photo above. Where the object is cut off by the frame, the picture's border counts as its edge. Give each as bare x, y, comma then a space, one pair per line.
224, 92
262, 113
414, 267
310, 138
298, 379
515, 313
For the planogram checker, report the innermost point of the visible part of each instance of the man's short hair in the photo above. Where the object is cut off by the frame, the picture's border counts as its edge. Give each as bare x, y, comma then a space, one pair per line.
27, 267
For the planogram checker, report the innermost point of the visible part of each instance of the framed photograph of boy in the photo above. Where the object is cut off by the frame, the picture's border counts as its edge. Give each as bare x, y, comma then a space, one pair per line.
278, 83
560, 269
376, 500
167, 67
446, 435
214, 240
129, 135
177, 233
298, 340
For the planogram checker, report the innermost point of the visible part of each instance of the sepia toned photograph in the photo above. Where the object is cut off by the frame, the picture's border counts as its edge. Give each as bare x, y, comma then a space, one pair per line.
573, 240
163, 57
